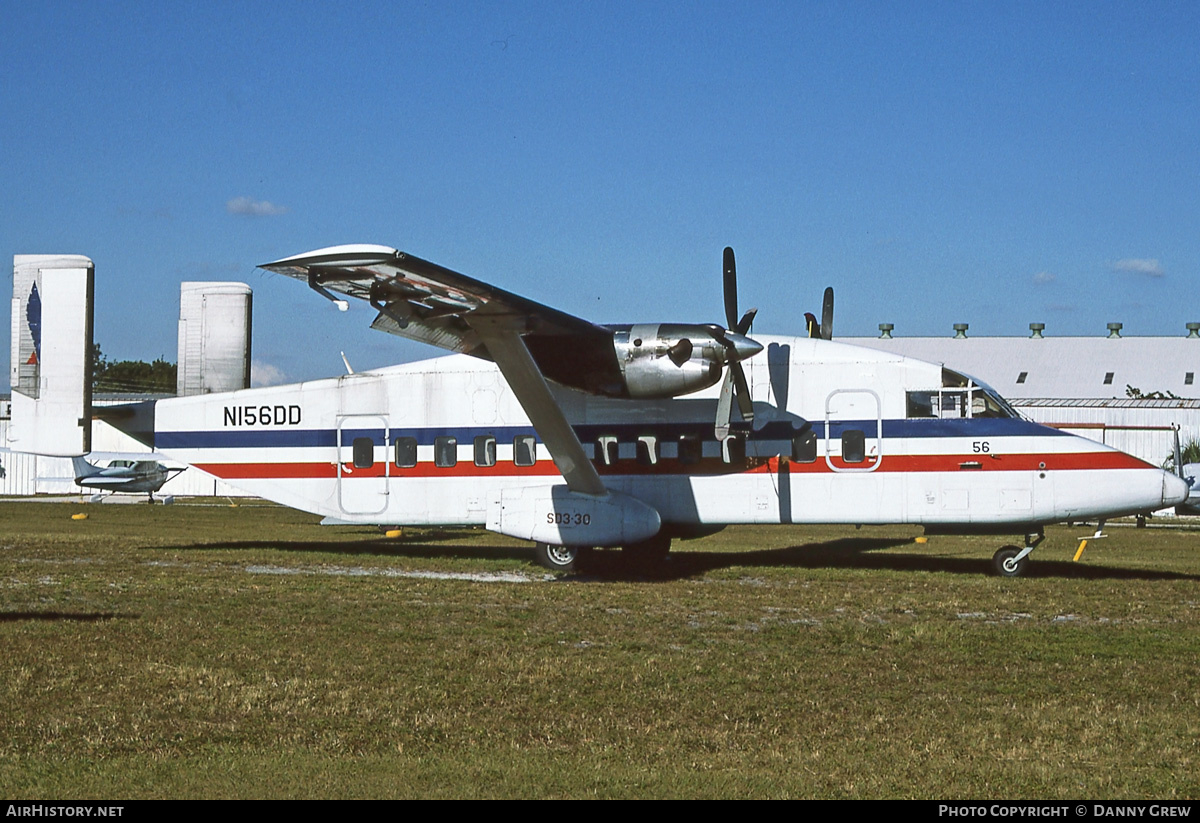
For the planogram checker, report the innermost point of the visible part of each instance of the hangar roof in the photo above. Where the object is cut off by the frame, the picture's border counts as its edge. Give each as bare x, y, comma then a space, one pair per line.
1062, 367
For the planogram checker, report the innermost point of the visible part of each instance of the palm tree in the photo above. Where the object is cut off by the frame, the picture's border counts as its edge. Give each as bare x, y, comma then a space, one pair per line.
1189, 453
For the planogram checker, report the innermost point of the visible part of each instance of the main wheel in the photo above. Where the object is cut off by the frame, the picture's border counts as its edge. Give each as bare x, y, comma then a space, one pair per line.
1006, 563
556, 558
649, 553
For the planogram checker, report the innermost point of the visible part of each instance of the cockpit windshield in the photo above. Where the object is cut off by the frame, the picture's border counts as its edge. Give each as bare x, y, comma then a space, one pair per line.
959, 397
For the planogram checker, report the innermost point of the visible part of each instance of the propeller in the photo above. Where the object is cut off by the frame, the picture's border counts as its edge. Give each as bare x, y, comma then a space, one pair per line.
738, 347
827, 314
823, 331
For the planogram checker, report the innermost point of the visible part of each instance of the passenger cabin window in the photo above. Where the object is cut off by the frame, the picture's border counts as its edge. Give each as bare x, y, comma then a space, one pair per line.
364, 452
689, 450
485, 450
406, 452
606, 449
804, 447
445, 452
647, 450
854, 446
524, 450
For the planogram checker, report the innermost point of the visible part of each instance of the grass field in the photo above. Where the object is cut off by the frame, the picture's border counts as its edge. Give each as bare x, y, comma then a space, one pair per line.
209, 651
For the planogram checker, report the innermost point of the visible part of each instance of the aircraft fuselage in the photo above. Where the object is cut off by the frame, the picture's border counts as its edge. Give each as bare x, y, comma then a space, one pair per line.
841, 434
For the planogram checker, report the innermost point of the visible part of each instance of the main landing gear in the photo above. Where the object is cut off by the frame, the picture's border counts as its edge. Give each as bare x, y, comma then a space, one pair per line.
558, 558
645, 555
1011, 561
648, 554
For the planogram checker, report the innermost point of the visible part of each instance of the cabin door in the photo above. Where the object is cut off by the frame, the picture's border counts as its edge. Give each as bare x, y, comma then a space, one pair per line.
363, 465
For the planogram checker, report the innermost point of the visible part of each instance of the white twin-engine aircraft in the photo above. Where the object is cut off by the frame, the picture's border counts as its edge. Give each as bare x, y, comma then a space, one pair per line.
573, 435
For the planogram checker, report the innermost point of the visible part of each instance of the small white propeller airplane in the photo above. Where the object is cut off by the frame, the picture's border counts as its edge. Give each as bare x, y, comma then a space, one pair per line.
574, 435
124, 476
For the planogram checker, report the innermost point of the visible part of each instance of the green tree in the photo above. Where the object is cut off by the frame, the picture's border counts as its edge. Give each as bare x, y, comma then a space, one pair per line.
1189, 451
156, 377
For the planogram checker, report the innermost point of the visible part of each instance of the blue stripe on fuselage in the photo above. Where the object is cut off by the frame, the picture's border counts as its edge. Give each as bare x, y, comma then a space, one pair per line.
774, 430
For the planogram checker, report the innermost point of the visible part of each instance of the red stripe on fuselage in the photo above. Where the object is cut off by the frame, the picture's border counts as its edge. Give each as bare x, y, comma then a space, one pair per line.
915, 463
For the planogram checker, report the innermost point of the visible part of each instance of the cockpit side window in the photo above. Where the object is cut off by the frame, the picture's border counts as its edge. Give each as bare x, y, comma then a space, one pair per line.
920, 403
953, 404
959, 397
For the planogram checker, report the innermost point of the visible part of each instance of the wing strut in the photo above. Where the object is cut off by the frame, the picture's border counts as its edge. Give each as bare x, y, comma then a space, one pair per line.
510, 354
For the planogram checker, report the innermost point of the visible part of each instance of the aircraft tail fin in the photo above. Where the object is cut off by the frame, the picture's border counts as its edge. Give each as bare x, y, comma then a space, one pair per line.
214, 337
83, 468
51, 367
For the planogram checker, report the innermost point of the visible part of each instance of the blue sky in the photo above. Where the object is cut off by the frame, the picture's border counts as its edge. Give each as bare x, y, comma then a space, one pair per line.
936, 162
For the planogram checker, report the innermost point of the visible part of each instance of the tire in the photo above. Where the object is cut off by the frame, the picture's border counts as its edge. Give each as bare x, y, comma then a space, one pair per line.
649, 553
556, 558
1006, 563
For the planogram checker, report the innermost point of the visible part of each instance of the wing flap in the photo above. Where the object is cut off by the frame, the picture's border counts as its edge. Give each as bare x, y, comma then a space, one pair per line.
451, 334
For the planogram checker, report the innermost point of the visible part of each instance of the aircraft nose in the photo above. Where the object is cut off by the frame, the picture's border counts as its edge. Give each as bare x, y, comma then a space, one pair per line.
1175, 490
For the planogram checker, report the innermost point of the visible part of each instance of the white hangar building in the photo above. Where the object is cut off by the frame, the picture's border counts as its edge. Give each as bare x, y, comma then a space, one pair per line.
1128, 392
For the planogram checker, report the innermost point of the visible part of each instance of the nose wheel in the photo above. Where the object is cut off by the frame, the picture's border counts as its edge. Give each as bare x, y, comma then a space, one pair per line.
1012, 561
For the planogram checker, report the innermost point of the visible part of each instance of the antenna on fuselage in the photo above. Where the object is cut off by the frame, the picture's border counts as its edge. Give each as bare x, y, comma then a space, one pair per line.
1178, 454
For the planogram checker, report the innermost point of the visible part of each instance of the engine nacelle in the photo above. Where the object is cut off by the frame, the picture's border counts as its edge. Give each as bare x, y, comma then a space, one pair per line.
668, 359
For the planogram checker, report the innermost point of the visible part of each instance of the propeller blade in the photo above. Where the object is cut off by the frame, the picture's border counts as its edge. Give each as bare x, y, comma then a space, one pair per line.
827, 315
737, 348
730, 289
810, 325
743, 325
725, 406
745, 403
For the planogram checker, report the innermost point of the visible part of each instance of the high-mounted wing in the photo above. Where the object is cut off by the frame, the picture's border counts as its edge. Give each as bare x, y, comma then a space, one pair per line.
423, 301
427, 302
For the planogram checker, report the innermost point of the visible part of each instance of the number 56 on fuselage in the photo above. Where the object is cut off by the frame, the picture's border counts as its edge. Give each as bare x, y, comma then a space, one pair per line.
553, 429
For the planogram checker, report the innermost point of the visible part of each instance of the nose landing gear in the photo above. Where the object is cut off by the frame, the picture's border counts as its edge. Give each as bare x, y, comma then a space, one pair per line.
1011, 561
